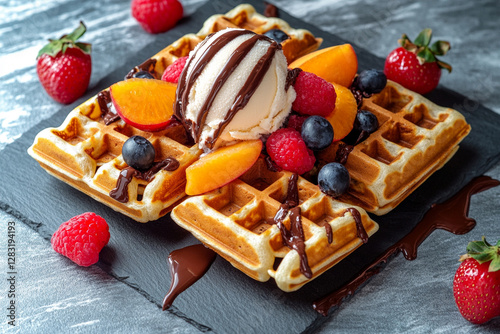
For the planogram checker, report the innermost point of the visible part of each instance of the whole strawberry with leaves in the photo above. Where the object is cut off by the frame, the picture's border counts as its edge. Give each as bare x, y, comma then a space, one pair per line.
415, 65
64, 66
476, 286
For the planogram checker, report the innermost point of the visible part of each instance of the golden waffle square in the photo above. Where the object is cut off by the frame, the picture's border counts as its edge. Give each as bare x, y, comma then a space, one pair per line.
415, 138
237, 221
86, 153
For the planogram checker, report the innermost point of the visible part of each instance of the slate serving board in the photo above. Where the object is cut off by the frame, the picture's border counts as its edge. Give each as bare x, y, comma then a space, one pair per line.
225, 300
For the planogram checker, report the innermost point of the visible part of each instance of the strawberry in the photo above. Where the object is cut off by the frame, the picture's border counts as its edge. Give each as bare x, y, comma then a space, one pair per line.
414, 65
476, 286
156, 16
64, 66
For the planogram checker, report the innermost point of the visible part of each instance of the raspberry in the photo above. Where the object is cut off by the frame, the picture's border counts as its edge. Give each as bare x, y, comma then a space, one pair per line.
315, 96
296, 121
156, 16
173, 71
81, 238
287, 149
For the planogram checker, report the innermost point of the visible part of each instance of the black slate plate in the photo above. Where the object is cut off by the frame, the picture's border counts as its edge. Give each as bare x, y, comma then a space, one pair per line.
226, 300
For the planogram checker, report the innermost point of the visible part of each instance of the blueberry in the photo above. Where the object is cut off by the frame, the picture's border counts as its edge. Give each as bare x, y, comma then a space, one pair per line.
143, 75
372, 81
366, 121
276, 34
138, 153
317, 133
334, 179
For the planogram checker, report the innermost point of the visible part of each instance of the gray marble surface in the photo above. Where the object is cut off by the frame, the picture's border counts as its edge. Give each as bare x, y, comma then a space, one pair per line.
410, 297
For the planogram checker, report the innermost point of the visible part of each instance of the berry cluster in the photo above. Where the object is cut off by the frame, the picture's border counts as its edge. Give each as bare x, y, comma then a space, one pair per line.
310, 128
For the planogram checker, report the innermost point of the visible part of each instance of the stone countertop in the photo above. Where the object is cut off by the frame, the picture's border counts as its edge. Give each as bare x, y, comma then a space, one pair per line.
407, 296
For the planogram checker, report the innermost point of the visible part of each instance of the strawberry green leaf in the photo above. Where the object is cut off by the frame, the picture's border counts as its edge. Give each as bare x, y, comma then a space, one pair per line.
404, 40
484, 252
444, 65
65, 42
425, 56
85, 47
440, 48
424, 38
494, 265
77, 33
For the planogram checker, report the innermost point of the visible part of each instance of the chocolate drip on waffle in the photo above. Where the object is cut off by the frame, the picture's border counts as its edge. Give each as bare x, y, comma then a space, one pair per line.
120, 192
293, 237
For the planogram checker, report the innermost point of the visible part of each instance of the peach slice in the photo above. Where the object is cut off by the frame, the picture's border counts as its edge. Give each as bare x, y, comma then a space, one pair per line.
343, 116
146, 104
337, 64
221, 166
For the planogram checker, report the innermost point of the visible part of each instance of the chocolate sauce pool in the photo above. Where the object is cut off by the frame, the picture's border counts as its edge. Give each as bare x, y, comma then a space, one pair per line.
450, 216
187, 265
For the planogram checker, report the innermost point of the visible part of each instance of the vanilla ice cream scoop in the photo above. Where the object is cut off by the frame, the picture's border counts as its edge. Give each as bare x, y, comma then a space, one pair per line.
235, 86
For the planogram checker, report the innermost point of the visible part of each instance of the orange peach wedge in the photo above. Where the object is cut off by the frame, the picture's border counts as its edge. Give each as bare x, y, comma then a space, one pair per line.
146, 104
343, 116
337, 64
221, 166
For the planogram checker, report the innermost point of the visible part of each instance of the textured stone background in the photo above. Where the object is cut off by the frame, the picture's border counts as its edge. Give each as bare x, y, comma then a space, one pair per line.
410, 297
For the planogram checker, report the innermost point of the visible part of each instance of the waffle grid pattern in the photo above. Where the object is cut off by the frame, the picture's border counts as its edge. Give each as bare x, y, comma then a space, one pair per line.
237, 221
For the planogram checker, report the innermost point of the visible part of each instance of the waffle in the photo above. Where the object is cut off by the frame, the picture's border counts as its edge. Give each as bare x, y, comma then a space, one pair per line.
86, 153
237, 221
415, 138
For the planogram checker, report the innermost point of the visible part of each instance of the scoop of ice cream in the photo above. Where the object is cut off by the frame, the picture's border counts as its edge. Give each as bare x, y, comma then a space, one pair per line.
234, 87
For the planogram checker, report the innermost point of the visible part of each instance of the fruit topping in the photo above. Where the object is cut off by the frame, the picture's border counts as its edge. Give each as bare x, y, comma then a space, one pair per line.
81, 238
315, 96
343, 116
414, 65
221, 166
337, 64
371, 81
289, 151
144, 103
156, 16
333, 179
277, 34
365, 124
143, 75
174, 70
317, 133
296, 121
138, 153
64, 67
476, 284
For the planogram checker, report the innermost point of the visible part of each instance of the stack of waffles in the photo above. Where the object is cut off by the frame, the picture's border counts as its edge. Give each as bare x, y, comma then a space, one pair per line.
240, 220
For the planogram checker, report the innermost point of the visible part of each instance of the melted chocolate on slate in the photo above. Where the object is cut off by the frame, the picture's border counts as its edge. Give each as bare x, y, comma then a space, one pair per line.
120, 192
187, 265
450, 216
147, 66
104, 99
252, 83
293, 237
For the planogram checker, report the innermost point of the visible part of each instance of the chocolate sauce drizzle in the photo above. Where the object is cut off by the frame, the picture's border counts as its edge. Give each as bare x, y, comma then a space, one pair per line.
252, 83
120, 192
187, 265
361, 232
293, 237
147, 66
104, 101
451, 216
291, 77
343, 152
271, 10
